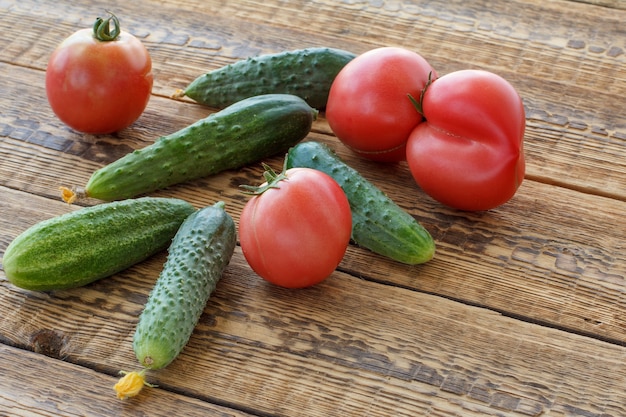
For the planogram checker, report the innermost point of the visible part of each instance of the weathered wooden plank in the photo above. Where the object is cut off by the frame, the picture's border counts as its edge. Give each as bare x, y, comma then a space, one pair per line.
546, 238
346, 347
486, 328
573, 102
37, 385
557, 244
537, 52
561, 248
615, 4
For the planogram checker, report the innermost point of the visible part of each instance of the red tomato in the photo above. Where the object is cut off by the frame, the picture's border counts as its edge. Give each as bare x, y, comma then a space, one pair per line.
469, 153
368, 107
295, 234
99, 86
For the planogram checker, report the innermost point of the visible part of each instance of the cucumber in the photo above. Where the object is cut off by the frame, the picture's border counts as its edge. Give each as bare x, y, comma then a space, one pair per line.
307, 73
378, 223
90, 243
247, 131
197, 257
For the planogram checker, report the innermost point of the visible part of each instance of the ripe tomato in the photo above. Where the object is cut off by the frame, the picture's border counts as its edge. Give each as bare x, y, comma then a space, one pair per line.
469, 153
296, 231
368, 107
98, 80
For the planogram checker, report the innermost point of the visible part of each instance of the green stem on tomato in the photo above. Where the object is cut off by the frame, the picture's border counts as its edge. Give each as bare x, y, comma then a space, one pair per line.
271, 180
102, 28
419, 104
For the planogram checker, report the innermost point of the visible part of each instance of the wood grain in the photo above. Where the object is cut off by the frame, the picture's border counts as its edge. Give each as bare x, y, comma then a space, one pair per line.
62, 390
351, 346
567, 78
544, 238
345, 322
521, 313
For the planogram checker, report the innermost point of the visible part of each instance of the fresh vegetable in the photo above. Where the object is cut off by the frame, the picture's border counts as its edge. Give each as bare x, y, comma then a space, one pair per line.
295, 231
469, 154
99, 80
197, 257
378, 223
307, 73
90, 243
245, 132
368, 108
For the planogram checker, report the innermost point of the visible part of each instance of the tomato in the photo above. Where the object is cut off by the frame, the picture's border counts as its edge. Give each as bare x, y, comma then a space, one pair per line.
99, 80
296, 231
368, 107
469, 151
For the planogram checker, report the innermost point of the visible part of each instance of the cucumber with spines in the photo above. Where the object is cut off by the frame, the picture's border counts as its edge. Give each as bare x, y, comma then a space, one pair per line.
307, 73
84, 245
197, 257
378, 223
245, 132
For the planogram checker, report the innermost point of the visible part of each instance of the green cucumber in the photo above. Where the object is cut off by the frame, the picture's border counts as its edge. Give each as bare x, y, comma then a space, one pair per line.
197, 257
307, 73
247, 131
378, 223
82, 246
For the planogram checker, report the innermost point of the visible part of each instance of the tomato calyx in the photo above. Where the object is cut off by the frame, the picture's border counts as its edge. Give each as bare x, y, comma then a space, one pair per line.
419, 106
102, 28
271, 180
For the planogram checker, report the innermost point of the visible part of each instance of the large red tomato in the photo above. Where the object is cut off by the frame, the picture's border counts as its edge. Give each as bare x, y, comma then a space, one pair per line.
99, 80
368, 107
469, 153
296, 231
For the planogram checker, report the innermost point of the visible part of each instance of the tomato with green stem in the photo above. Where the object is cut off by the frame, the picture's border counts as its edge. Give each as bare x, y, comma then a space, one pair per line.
296, 228
367, 106
99, 80
468, 153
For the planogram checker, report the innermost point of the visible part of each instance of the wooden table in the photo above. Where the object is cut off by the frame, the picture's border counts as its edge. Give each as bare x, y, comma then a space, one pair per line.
521, 313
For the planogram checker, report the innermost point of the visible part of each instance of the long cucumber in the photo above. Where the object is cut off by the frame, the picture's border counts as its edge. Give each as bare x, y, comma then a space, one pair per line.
378, 223
307, 73
90, 243
245, 132
197, 257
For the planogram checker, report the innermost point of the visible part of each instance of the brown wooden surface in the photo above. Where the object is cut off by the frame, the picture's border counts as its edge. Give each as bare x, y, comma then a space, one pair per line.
521, 313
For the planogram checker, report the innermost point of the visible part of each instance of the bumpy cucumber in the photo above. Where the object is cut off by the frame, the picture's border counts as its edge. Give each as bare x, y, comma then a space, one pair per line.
90, 243
247, 131
197, 257
378, 223
307, 73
